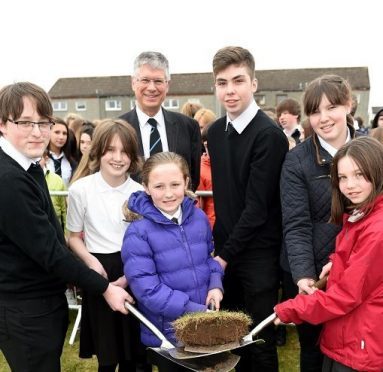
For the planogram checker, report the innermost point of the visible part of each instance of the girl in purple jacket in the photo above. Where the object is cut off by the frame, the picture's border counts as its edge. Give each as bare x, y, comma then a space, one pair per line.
167, 248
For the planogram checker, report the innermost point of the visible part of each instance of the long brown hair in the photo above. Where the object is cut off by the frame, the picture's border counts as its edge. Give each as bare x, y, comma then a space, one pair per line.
102, 137
367, 153
334, 87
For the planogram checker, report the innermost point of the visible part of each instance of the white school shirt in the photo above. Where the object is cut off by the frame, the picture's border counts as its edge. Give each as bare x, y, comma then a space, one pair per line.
242, 121
330, 149
96, 208
66, 168
16, 155
177, 214
146, 128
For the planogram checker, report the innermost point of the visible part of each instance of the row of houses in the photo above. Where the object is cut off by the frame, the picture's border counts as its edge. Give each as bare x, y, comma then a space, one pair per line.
110, 96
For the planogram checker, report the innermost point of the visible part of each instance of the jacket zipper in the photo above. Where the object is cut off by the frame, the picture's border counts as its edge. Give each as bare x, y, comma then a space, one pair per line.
186, 245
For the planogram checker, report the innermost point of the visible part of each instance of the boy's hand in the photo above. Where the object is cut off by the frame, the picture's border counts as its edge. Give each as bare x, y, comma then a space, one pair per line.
222, 262
116, 297
121, 282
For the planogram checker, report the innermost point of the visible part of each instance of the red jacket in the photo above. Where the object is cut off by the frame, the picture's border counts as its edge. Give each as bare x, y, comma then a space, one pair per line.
205, 184
352, 306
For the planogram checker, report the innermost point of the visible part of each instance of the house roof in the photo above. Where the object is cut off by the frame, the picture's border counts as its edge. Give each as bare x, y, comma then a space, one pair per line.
203, 83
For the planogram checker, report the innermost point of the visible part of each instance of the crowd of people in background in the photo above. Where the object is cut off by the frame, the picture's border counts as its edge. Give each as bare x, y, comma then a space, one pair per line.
289, 185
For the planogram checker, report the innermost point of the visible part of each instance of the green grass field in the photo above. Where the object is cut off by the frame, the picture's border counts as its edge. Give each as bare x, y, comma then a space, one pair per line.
70, 362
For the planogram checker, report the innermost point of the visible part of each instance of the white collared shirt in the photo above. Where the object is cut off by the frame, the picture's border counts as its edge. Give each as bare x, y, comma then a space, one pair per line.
66, 168
177, 214
288, 133
146, 128
330, 149
95, 208
16, 155
243, 120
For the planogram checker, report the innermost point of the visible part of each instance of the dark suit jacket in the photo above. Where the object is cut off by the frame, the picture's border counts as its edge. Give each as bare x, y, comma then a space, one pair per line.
183, 135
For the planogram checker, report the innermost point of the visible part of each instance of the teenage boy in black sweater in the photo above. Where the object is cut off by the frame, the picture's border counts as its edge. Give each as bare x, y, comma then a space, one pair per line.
35, 264
247, 150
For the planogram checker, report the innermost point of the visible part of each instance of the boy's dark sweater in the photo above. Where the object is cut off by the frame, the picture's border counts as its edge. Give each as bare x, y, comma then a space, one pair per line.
245, 173
34, 260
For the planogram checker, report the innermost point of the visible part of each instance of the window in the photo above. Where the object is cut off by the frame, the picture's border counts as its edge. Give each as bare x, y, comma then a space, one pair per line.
171, 103
80, 106
260, 99
112, 105
60, 106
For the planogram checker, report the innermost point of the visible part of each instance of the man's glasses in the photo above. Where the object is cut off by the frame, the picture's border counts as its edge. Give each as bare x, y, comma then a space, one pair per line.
27, 125
157, 82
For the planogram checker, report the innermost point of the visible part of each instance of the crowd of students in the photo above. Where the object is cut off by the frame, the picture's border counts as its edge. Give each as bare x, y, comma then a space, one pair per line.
291, 203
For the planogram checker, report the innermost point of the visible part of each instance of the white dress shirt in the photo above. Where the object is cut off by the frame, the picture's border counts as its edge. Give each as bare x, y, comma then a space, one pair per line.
243, 120
330, 149
16, 155
146, 128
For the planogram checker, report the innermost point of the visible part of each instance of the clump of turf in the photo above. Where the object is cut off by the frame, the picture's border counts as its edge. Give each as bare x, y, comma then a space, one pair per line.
211, 328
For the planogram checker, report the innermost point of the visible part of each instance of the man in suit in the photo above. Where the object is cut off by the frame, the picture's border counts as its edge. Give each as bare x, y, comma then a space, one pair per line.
158, 129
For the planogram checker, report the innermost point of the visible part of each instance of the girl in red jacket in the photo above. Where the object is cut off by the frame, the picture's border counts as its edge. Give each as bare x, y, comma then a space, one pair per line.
352, 306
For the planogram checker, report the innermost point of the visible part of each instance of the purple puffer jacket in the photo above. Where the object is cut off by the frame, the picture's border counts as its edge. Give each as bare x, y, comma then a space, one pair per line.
168, 266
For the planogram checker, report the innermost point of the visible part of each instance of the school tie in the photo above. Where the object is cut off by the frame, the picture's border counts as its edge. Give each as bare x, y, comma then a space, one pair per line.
230, 129
37, 173
175, 220
155, 139
57, 164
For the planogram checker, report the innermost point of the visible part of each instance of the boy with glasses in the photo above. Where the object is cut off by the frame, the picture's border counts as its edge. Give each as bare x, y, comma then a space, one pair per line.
35, 264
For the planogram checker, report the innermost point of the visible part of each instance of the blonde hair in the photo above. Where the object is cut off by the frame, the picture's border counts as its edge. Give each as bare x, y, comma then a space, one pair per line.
205, 115
190, 109
102, 137
150, 164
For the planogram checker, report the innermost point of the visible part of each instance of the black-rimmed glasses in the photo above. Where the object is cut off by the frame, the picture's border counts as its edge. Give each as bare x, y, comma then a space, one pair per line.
28, 125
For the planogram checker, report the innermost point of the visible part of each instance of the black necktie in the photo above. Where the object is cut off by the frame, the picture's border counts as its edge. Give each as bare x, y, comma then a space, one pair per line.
37, 173
57, 164
230, 129
175, 220
155, 139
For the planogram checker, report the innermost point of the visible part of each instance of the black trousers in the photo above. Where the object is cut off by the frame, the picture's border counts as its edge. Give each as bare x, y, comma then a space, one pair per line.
32, 333
251, 285
311, 358
330, 365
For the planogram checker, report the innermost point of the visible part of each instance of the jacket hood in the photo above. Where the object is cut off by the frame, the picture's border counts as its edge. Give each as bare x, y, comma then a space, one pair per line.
141, 203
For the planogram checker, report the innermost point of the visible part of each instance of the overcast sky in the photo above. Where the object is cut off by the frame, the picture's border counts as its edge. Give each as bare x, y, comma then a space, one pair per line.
42, 41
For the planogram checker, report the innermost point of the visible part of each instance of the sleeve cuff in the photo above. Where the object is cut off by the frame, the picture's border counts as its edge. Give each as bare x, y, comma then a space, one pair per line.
215, 281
